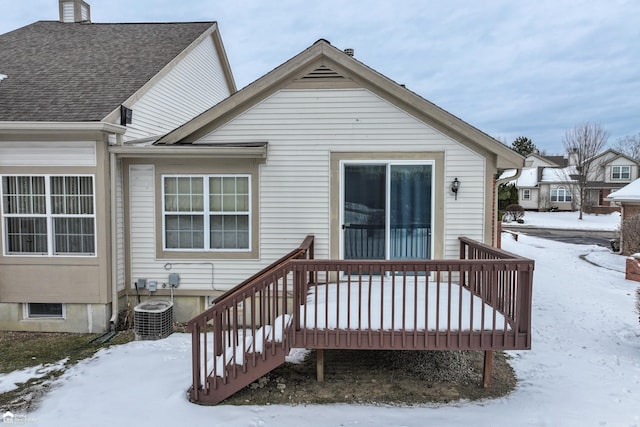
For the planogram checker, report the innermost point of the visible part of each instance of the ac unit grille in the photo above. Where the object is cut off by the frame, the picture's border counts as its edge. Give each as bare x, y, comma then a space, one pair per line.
153, 320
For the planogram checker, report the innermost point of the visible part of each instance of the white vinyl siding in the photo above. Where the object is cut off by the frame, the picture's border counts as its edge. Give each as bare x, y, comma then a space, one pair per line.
49, 153
193, 274
302, 128
196, 83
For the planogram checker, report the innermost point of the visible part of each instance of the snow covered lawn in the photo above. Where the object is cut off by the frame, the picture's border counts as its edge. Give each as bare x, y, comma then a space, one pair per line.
570, 221
583, 370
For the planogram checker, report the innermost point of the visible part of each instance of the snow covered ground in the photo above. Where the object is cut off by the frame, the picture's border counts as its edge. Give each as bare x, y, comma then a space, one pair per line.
570, 221
583, 369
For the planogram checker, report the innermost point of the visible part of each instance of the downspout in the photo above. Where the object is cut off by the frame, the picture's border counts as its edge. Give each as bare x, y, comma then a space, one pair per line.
114, 242
495, 200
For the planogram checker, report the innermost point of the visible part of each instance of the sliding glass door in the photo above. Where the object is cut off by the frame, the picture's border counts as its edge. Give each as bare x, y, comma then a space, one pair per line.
387, 210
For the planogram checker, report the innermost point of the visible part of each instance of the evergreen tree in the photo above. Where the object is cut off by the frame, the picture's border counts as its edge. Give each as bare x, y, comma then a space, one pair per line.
523, 145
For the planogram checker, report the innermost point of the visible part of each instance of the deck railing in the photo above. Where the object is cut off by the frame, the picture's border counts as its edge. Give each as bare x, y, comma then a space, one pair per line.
481, 301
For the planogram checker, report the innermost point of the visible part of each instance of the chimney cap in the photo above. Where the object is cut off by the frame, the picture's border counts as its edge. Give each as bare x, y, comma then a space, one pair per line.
349, 51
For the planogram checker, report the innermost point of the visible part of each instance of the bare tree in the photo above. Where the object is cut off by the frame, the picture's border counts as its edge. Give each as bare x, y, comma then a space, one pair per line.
629, 145
583, 143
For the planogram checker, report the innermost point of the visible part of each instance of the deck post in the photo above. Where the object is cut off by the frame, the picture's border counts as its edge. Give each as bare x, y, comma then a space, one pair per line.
320, 365
488, 368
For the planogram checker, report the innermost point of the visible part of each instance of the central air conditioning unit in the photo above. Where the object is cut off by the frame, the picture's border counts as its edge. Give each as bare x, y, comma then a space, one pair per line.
153, 319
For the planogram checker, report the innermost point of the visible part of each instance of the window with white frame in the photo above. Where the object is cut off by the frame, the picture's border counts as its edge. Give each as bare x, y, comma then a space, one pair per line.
207, 212
40, 310
526, 194
621, 172
48, 215
560, 194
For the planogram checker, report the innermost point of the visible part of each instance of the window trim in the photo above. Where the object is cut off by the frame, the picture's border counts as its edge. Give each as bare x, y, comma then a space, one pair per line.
387, 163
526, 194
49, 217
207, 213
26, 307
621, 173
566, 195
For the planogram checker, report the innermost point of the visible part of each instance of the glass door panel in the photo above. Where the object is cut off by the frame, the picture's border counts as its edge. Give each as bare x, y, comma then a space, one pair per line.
364, 211
410, 212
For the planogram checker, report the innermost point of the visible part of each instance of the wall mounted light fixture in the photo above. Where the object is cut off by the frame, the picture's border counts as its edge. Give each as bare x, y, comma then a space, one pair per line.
455, 185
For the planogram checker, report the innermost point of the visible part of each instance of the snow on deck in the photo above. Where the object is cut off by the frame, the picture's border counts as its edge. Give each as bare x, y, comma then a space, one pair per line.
371, 307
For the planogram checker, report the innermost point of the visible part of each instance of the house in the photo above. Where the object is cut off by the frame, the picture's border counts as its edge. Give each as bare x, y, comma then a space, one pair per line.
188, 199
322, 145
377, 183
614, 170
548, 182
71, 90
628, 200
534, 187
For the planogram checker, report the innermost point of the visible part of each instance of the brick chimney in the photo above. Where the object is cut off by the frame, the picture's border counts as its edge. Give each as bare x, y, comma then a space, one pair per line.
74, 11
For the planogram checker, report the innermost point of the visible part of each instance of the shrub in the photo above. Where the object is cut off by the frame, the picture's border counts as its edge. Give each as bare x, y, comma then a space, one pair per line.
514, 213
630, 232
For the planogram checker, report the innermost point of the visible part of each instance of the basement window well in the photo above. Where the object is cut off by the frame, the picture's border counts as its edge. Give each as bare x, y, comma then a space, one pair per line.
39, 310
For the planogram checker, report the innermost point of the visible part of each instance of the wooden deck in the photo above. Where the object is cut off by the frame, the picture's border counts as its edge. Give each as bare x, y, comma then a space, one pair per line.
481, 301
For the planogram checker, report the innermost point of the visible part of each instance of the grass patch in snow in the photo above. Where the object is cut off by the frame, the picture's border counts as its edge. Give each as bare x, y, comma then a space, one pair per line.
34, 359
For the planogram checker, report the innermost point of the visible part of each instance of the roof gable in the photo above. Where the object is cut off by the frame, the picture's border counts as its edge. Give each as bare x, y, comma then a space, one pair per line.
535, 160
77, 72
323, 65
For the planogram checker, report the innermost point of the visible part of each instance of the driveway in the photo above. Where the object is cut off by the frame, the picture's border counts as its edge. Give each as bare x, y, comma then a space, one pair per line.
579, 237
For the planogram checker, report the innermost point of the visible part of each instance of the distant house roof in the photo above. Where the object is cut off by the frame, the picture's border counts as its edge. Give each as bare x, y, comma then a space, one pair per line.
558, 160
562, 175
630, 192
528, 178
76, 72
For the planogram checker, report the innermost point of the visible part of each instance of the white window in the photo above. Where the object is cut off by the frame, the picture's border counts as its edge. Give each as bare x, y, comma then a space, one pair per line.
207, 212
526, 194
48, 215
44, 310
621, 172
560, 194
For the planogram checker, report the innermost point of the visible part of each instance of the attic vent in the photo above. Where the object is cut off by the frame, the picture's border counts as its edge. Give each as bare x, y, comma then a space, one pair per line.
74, 11
322, 72
67, 12
84, 13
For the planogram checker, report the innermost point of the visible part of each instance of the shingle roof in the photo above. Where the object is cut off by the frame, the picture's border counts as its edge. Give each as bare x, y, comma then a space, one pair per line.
78, 72
558, 160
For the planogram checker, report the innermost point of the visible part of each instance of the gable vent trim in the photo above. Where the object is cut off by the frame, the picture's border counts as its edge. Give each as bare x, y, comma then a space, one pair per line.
322, 72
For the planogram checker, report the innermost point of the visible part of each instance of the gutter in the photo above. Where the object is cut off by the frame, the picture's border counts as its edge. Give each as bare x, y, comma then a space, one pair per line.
48, 127
114, 242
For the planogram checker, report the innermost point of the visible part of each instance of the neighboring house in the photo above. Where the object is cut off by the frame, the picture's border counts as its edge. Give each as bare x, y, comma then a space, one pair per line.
321, 145
628, 199
73, 90
531, 195
548, 182
613, 171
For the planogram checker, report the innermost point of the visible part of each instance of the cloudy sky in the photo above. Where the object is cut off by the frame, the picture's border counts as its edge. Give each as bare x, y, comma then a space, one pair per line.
510, 68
